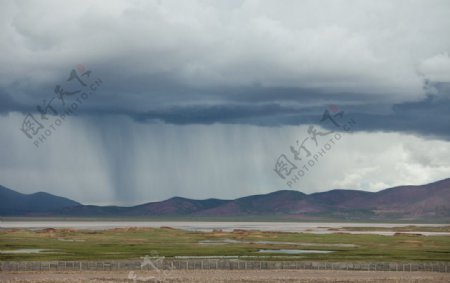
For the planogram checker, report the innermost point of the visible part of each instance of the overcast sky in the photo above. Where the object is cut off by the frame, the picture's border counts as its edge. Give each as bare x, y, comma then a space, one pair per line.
201, 98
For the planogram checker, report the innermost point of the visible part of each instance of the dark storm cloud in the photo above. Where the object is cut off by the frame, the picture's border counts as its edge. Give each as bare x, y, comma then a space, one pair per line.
7, 104
266, 106
430, 116
294, 106
262, 115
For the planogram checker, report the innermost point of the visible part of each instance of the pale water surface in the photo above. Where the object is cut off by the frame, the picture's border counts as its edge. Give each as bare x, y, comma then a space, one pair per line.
318, 228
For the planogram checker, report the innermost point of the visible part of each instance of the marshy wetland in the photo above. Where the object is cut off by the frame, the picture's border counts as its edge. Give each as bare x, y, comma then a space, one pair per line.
402, 243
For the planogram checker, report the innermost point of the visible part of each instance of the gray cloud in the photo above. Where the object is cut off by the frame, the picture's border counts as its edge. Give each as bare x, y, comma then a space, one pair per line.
340, 46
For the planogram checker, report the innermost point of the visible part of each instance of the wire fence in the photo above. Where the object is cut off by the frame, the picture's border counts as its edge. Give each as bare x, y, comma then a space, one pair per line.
223, 264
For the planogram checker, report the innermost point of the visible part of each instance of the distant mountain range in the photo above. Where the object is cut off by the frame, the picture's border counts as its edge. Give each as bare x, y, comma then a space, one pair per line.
429, 202
14, 203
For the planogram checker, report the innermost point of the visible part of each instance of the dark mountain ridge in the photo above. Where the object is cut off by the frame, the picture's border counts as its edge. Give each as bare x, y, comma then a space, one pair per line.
14, 203
431, 201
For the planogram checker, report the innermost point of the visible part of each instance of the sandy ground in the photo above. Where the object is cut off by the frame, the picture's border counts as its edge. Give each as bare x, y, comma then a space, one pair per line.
226, 276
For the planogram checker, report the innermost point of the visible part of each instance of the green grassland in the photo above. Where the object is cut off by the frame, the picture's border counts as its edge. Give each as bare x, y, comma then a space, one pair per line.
132, 243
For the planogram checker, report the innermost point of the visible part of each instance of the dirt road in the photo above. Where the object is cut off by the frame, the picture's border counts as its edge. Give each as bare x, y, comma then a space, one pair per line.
222, 276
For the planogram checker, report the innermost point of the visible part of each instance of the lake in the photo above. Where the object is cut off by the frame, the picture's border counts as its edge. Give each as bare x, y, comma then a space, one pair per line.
309, 227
